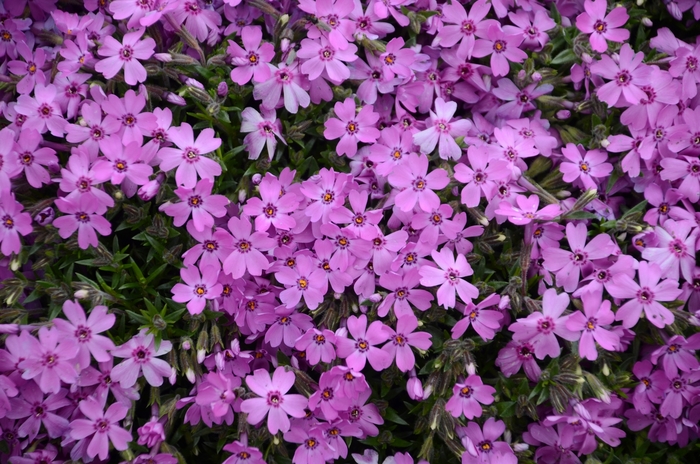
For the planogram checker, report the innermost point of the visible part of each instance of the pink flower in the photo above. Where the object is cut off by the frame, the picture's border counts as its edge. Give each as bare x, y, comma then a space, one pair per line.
362, 349
584, 165
479, 175
678, 354
686, 168
526, 211
49, 360
675, 252
287, 80
102, 426
351, 127
32, 159
199, 20
401, 341
273, 207
441, 129
403, 294
43, 111
216, 392
462, 27
645, 296
516, 355
247, 247
468, 397
122, 163
519, 101
326, 194
197, 288
324, 56
125, 55
540, 329
30, 69
243, 454
417, 185
253, 61
595, 322
274, 400
449, 276
140, 356
397, 60
189, 156
625, 77
651, 386
81, 215
482, 447
13, 223
485, 322
85, 331
128, 114
38, 410
95, 130
603, 27
502, 47
263, 130
200, 203
318, 345
304, 280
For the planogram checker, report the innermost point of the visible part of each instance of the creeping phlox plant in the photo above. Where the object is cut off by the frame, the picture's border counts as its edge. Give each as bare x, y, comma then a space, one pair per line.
307, 231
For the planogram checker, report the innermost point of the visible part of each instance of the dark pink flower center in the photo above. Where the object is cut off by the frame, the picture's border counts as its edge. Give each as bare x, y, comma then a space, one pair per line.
645, 296
141, 355
468, 27
399, 339
8, 222
120, 166
191, 155
244, 246
600, 27
466, 391
83, 334
126, 53
270, 210
45, 111
362, 345
195, 201
82, 216
677, 248
545, 325
623, 78
210, 246
352, 127
326, 53
579, 257
691, 64
499, 46
274, 399
102, 426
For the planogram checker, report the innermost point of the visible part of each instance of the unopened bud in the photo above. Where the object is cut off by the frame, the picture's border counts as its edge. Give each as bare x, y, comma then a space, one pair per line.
242, 195
256, 179
222, 89
15, 264
563, 114
375, 298
80, 294
118, 195
45, 216
520, 447
173, 376
163, 57
522, 74
536, 76
605, 143
174, 99
647, 22
189, 373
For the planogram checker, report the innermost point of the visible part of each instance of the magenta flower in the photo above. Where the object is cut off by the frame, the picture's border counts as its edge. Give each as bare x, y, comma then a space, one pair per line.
49, 360
32, 159
189, 156
198, 288
287, 80
479, 175
351, 127
102, 426
287, 327
482, 447
594, 321
417, 185
81, 214
274, 400
484, 321
468, 397
626, 77
403, 294
686, 168
568, 264
318, 345
678, 354
584, 165
326, 194
122, 163
540, 329
13, 223
450, 276
95, 130
516, 355
216, 392
462, 27
85, 331
680, 393
199, 202
42, 112
651, 386
645, 296
126, 55
322, 56
401, 341
304, 280
30, 69
273, 207
140, 355
80, 180
263, 130
526, 211
251, 62
247, 247
361, 221
441, 129
199, 20
37, 410
328, 398
397, 60
602, 27
519, 101
128, 112
362, 349
686, 64
502, 47
243, 454
675, 251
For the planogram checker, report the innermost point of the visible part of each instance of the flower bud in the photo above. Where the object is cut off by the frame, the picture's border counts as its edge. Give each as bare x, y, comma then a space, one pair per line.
375, 298
45, 216
149, 190
522, 74
222, 89
563, 114
536, 76
163, 57
647, 22
80, 294
242, 195
520, 447
174, 99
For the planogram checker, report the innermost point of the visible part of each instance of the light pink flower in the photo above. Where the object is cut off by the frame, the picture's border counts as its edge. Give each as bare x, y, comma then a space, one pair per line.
126, 55
450, 276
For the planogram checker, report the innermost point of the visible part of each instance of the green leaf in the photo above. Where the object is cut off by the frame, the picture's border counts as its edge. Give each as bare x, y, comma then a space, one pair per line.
393, 416
565, 57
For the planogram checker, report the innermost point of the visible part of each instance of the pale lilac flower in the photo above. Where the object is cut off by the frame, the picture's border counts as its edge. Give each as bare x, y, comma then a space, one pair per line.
479, 175
516, 355
686, 64
686, 168
304, 280
467, 397
49, 360
519, 101
351, 127
251, 62
417, 185
263, 130
318, 345
30, 69
189, 156
247, 247
37, 410
122, 163
540, 328
362, 349
274, 400
584, 165
242, 453
140, 355
199, 20
403, 294
128, 113
13, 223
675, 251
645, 296
95, 130
81, 214
594, 321
273, 207
199, 202
450, 276
603, 27
102, 426
287, 326
462, 27
482, 447
125, 55
85, 331
678, 354
441, 129
198, 288
651, 386
322, 56
397, 60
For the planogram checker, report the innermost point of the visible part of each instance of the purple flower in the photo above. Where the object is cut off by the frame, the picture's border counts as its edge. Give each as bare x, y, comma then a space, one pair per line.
584, 165
450, 276
397, 60
318, 345
603, 27
482, 447
326, 194
32, 159
527, 211
468, 397
122, 163
304, 280
651, 387
247, 247
485, 322
568, 264
287, 326
139, 355
189, 156
287, 80
200, 203
197, 287
251, 62
198, 19
126, 113
151, 433
42, 112
687, 64
678, 354
541, 328
351, 127
626, 77
274, 400
680, 392
49, 360
441, 129
362, 349
401, 341
516, 355
594, 321
519, 101
263, 131
462, 27
13, 223
94, 132
502, 47
323, 56
30, 69
403, 291
479, 175
125, 55
328, 398
85, 331
417, 185
81, 214
38, 410
102, 426
273, 207
686, 168
243, 454
80, 180
216, 392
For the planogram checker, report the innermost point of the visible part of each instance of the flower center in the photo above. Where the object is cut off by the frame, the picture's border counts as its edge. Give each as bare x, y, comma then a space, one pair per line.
545, 325
465, 392
499, 46
195, 201
126, 53
362, 345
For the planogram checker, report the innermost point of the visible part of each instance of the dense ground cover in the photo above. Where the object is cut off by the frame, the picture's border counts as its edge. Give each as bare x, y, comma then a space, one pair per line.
387, 231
